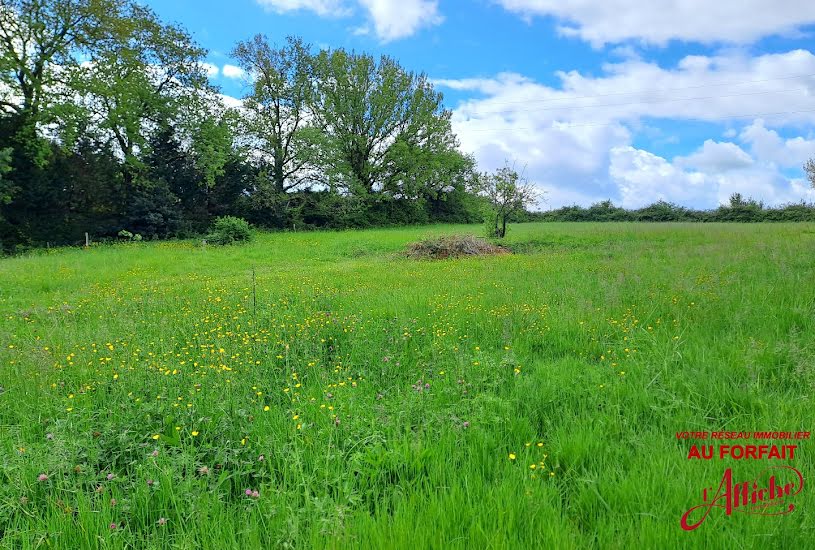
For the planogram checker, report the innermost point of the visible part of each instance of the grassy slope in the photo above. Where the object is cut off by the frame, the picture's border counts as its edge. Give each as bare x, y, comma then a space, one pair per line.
107, 348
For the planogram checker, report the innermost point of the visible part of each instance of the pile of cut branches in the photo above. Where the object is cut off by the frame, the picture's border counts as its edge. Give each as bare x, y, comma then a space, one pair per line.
454, 246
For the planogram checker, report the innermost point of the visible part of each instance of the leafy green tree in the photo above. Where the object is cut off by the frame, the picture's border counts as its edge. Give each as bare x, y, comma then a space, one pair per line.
40, 46
86, 86
455, 204
84, 186
150, 76
212, 146
384, 129
740, 209
508, 193
5, 168
809, 168
276, 123
737, 200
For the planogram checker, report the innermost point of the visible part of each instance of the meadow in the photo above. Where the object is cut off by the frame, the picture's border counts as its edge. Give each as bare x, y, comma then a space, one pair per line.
320, 390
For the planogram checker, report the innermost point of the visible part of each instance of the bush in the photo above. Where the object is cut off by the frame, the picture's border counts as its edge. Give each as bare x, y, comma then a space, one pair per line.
124, 234
738, 209
662, 211
228, 230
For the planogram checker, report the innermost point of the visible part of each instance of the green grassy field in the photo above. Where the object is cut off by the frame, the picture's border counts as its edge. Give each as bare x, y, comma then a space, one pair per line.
370, 401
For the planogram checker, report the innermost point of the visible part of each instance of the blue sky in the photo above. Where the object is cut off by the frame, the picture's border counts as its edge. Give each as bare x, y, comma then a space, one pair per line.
634, 101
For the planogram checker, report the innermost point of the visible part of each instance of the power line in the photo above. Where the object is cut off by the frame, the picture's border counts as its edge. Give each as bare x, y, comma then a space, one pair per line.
646, 102
566, 125
656, 91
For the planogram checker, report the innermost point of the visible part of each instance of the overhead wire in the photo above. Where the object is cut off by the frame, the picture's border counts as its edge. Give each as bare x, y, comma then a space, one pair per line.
563, 125
655, 91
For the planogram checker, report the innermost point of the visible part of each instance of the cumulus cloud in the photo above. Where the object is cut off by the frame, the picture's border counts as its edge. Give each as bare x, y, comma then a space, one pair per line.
232, 71
398, 19
576, 139
716, 156
212, 70
231, 102
708, 88
643, 178
768, 146
388, 19
614, 21
325, 8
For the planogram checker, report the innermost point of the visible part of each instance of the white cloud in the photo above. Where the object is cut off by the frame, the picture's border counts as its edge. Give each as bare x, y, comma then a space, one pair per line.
394, 19
708, 88
555, 196
232, 71
644, 178
212, 70
716, 157
576, 138
324, 8
657, 22
230, 102
761, 183
768, 146
801, 189
388, 19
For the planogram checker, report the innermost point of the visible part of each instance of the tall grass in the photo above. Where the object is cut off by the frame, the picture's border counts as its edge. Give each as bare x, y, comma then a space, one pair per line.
375, 401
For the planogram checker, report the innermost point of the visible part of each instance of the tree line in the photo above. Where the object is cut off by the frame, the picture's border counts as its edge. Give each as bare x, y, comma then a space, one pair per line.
109, 124
738, 209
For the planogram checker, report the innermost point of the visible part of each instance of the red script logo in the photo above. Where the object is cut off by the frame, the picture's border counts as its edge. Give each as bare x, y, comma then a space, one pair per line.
766, 495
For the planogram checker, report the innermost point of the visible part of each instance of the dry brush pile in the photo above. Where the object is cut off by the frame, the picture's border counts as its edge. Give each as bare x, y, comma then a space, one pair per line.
454, 246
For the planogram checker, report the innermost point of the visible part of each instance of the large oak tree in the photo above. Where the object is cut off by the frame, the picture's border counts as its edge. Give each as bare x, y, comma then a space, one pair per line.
384, 129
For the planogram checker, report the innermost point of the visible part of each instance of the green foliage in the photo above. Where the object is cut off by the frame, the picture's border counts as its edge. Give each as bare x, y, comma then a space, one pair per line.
211, 147
229, 230
150, 76
605, 211
662, 211
127, 235
275, 124
491, 220
384, 129
136, 137
738, 209
507, 193
5, 168
56, 33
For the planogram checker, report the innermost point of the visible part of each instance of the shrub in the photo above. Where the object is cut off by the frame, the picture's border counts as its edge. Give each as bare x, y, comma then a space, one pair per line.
124, 234
662, 211
228, 230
